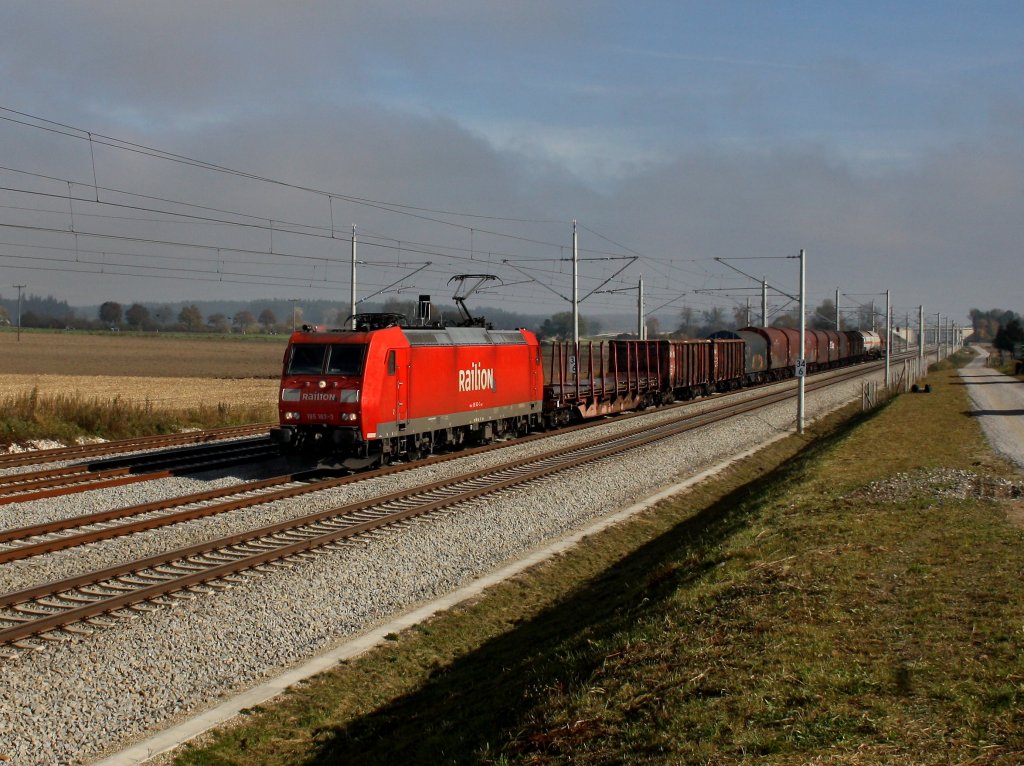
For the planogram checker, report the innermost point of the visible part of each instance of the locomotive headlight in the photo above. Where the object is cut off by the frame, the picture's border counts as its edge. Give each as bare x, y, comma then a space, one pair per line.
291, 416
322, 384
349, 416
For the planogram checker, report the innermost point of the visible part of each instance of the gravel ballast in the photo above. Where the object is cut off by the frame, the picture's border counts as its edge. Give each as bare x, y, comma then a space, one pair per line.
76, 699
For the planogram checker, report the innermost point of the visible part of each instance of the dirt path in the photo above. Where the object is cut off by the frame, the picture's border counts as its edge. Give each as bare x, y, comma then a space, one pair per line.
998, 402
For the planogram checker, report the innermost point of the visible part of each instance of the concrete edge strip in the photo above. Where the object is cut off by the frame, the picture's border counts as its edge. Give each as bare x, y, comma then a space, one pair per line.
179, 734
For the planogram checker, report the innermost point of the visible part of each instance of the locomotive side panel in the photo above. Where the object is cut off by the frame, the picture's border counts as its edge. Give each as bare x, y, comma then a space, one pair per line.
385, 383
460, 385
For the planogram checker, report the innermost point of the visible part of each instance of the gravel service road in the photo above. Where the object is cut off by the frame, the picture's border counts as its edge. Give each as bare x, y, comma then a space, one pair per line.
998, 403
81, 697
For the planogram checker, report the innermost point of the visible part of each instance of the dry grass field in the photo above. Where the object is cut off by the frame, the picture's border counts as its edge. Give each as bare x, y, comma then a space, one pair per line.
65, 385
166, 371
162, 393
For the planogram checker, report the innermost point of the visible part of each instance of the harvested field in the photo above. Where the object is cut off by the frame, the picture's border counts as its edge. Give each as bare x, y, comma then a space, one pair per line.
140, 355
167, 371
163, 393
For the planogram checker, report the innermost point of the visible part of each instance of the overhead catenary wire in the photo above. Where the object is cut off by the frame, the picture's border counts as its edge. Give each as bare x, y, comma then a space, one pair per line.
256, 222
393, 207
192, 213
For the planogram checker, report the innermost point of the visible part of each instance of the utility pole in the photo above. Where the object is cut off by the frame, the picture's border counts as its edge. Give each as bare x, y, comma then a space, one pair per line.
575, 292
747, 318
20, 288
764, 302
574, 360
641, 325
352, 292
838, 327
888, 337
802, 361
938, 347
920, 337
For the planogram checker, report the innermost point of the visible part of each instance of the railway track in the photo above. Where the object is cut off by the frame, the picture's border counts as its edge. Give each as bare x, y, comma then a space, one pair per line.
47, 537
80, 603
35, 485
85, 451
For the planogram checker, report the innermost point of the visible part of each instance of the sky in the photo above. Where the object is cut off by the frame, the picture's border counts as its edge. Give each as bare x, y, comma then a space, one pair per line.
197, 151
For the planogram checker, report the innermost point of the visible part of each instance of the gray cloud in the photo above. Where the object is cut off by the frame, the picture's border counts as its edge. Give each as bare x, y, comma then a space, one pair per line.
428, 106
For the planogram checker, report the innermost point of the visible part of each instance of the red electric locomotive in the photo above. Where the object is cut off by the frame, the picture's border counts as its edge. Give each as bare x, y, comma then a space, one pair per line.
385, 390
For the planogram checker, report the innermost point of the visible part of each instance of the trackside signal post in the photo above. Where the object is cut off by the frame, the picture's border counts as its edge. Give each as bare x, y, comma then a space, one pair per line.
801, 362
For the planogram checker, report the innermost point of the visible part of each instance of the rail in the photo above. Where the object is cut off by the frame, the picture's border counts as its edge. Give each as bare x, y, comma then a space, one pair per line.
52, 607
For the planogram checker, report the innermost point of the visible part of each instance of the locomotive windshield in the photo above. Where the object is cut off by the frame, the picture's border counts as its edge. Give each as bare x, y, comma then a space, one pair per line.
345, 359
326, 359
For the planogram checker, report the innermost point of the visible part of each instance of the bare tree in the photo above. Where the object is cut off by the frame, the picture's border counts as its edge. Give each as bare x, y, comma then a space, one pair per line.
244, 321
267, 320
111, 313
191, 317
137, 316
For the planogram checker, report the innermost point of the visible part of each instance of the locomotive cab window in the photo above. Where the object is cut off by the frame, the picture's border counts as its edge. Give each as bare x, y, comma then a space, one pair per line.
324, 358
391, 363
307, 359
345, 359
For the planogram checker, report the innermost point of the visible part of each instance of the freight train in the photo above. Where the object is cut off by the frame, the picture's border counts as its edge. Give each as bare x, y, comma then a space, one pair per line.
385, 390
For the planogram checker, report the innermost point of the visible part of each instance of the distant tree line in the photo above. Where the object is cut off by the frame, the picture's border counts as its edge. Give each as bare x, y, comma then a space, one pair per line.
996, 326
280, 316
36, 311
1008, 337
272, 316
49, 313
700, 324
189, 318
